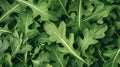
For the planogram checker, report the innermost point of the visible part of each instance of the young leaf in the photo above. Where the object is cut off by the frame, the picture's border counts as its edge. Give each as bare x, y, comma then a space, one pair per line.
25, 21
8, 9
4, 44
100, 12
4, 30
114, 58
25, 48
38, 9
59, 35
108, 38
57, 56
42, 58
62, 5
91, 35
15, 43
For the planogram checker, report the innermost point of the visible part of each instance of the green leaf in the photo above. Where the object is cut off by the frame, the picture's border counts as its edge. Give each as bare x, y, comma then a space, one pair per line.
8, 59
108, 38
38, 9
91, 35
41, 59
58, 57
8, 9
4, 30
74, 6
25, 21
43, 38
36, 51
4, 44
15, 43
25, 48
100, 12
63, 5
114, 56
59, 35
117, 25
112, 1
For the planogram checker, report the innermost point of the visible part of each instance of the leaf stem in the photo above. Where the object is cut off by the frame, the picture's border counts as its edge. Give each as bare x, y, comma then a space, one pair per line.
64, 9
99, 52
5, 31
58, 59
32, 6
115, 57
79, 14
26, 57
19, 58
8, 12
70, 49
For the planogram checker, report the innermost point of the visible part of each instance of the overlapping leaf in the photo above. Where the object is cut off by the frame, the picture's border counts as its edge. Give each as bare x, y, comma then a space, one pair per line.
114, 58
31, 34
8, 9
25, 21
59, 35
91, 35
57, 57
4, 44
15, 43
38, 8
41, 60
100, 11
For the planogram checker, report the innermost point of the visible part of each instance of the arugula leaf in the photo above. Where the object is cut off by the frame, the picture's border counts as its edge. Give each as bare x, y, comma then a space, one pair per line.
25, 48
42, 58
63, 6
112, 1
90, 38
25, 21
4, 30
38, 8
59, 35
15, 43
8, 9
114, 55
100, 12
57, 57
91, 35
4, 44
108, 38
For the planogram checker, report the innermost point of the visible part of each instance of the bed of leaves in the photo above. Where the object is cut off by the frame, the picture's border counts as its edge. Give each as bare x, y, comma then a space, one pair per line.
59, 33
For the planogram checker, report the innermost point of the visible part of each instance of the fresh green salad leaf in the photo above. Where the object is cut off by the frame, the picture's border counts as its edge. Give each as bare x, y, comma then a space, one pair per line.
90, 36
59, 33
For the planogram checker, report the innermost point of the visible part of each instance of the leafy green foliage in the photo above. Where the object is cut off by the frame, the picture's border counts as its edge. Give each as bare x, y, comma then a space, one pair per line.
3, 46
59, 33
90, 36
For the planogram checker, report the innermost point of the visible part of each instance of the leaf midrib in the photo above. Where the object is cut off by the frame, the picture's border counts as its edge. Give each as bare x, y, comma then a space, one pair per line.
5, 31
113, 62
58, 58
91, 35
8, 12
79, 14
64, 9
32, 6
65, 44
26, 21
